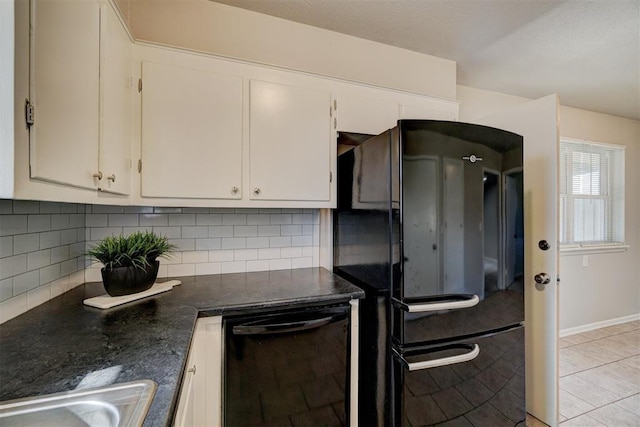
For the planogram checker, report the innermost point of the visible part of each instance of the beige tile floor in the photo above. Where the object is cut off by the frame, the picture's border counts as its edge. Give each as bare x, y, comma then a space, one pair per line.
600, 377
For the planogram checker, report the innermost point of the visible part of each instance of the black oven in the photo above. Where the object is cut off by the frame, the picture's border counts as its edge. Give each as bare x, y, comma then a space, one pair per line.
287, 368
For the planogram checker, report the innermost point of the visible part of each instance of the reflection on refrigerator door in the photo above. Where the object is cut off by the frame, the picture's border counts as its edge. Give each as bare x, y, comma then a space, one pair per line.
487, 390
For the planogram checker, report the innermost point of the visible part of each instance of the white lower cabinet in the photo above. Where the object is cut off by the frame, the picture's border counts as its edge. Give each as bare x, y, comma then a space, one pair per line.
201, 393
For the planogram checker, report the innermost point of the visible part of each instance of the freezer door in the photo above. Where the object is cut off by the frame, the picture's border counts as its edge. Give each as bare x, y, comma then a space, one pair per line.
479, 382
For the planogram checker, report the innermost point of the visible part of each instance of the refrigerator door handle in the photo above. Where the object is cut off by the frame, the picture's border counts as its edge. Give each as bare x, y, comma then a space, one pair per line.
452, 303
451, 360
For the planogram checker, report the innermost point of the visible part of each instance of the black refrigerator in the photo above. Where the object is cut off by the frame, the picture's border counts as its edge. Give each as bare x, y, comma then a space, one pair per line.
429, 223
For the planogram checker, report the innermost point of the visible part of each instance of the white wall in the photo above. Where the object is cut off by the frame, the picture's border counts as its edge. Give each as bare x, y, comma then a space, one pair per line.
206, 26
476, 103
608, 290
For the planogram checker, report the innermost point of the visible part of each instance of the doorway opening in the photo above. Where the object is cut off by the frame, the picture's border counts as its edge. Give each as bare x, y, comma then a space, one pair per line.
492, 232
514, 230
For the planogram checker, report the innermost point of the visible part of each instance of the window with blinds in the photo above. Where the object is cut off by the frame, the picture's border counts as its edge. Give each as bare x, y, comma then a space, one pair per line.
591, 194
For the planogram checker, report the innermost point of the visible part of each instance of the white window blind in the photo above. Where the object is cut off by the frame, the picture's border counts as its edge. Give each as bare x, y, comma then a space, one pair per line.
591, 193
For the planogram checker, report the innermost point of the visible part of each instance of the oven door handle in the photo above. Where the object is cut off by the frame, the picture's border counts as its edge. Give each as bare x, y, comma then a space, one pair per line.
451, 360
460, 301
284, 327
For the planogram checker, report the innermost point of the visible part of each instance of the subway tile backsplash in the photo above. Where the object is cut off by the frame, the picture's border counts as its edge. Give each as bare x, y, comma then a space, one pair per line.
42, 243
214, 241
42, 247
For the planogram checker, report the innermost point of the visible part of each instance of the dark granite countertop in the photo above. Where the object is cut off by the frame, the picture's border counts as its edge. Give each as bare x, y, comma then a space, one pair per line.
54, 346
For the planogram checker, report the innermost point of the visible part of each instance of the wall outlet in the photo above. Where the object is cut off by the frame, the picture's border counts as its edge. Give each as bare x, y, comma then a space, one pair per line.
585, 260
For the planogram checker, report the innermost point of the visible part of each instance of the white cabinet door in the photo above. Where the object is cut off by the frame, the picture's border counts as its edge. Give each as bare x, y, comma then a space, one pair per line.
208, 381
191, 133
429, 112
184, 416
115, 105
368, 115
290, 142
64, 88
200, 403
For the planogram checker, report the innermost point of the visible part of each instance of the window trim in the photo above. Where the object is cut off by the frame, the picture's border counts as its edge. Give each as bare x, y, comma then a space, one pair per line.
585, 248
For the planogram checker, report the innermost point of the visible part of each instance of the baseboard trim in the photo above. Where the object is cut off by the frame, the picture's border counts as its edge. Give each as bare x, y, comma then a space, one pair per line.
597, 325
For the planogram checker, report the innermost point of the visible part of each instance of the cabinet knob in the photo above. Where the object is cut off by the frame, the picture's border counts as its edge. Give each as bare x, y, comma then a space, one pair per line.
192, 370
98, 175
256, 191
234, 190
112, 178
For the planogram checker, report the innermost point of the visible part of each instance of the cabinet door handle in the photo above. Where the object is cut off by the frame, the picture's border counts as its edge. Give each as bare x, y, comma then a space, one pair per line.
192, 370
112, 178
256, 191
98, 175
234, 190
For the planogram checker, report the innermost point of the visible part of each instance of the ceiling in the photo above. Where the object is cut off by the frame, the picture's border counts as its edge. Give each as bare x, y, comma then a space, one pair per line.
586, 51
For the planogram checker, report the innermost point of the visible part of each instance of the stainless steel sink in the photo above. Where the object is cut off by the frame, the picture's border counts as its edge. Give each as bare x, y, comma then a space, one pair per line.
123, 404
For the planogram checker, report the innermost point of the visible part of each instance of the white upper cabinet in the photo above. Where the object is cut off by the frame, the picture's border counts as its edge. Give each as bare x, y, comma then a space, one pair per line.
372, 111
114, 159
290, 142
64, 91
80, 92
369, 115
218, 132
191, 133
428, 108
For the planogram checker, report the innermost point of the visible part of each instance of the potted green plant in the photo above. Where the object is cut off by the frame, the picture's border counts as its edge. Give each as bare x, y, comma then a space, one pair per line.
130, 262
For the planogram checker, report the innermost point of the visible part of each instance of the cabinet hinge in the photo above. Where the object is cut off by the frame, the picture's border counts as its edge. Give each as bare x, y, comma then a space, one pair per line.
139, 85
330, 176
139, 165
29, 113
